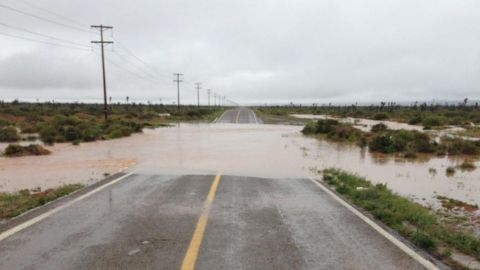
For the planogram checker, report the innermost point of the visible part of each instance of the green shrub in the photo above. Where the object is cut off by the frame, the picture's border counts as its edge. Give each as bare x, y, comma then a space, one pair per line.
450, 171
415, 120
433, 121
326, 126
455, 146
13, 204
29, 128
378, 127
467, 166
401, 141
380, 116
4, 123
310, 128
9, 134
15, 150
424, 240
382, 143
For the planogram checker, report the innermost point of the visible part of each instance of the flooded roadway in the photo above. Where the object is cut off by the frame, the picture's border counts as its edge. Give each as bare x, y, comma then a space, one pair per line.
236, 149
248, 182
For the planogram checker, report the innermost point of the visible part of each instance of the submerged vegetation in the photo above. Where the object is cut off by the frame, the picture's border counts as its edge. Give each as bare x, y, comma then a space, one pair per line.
383, 140
332, 129
77, 122
14, 204
419, 224
16, 150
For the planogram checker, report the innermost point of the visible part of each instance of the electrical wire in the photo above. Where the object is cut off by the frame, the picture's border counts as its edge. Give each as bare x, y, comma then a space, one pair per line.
43, 19
43, 35
125, 69
52, 13
44, 42
134, 65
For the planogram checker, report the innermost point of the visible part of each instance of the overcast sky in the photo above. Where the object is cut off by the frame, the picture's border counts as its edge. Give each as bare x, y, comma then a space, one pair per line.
252, 51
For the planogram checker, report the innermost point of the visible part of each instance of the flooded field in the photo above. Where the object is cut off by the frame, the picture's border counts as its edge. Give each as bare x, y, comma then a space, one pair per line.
367, 124
256, 150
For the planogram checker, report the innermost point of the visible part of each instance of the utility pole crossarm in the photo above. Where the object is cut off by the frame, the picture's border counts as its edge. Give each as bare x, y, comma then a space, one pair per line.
102, 42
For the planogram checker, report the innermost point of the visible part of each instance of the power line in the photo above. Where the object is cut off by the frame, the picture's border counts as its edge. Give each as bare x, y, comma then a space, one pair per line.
133, 65
126, 69
52, 13
43, 35
44, 42
144, 63
135, 56
43, 18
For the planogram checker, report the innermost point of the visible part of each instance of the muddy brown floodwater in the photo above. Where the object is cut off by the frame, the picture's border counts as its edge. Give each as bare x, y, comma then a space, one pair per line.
255, 150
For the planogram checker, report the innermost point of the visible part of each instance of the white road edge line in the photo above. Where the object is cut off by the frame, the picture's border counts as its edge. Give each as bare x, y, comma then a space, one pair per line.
45, 215
254, 117
426, 263
216, 120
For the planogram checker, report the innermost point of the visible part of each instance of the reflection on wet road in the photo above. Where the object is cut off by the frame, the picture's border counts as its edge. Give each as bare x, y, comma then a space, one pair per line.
147, 221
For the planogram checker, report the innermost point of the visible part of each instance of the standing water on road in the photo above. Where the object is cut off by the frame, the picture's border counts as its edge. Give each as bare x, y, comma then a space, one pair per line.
254, 150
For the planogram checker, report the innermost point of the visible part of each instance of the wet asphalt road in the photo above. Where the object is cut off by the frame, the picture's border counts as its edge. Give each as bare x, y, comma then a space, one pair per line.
239, 116
147, 222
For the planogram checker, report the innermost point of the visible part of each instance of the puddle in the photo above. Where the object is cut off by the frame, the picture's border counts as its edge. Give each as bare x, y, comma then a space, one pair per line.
255, 150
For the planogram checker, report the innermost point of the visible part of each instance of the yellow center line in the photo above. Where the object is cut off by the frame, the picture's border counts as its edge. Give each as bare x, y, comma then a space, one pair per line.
238, 115
194, 248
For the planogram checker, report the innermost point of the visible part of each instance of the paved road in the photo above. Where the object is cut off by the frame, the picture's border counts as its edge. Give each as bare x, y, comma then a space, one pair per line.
239, 116
208, 222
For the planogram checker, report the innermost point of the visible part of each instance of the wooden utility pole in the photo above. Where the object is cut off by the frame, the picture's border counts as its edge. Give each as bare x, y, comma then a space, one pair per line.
178, 81
209, 92
102, 43
198, 93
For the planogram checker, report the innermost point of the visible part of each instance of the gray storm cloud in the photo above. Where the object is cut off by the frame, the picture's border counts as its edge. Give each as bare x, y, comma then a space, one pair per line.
251, 51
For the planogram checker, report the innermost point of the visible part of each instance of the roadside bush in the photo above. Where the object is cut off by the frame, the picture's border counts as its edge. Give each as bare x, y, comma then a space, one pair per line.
72, 129
4, 123
433, 121
13, 204
467, 166
15, 150
9, 134
380, 116
417, 119
382, 143
326, 126
334, 130
310, 128
378, 127
29, 128
396, 141
456, 146
450, 171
